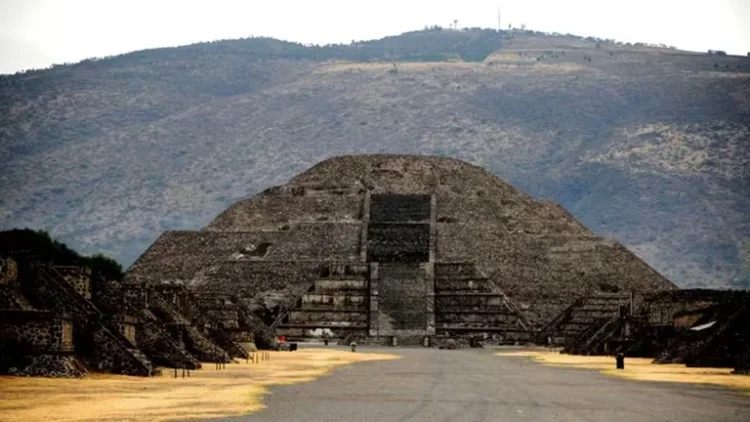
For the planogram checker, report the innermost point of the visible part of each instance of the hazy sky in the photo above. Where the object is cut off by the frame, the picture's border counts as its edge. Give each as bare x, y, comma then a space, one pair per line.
37, 33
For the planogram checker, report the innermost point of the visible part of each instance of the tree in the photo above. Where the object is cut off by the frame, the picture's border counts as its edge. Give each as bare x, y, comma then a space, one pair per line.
105, 266
40, 243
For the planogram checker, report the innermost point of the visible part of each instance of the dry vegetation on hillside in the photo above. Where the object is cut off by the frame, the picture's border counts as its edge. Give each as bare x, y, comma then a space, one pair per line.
646, 145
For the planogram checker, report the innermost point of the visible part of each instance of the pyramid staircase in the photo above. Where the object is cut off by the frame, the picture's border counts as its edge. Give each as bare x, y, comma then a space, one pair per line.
467, 302
222, 338
203, 315
336, 304
50, 290
185, 332
161, 347
580, 315
590, 341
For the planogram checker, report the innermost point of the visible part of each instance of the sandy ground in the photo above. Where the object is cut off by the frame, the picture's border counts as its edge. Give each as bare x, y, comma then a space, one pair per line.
639, 369
207, 393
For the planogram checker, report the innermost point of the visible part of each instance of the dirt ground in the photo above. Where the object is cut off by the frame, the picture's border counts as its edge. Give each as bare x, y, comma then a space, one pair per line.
639, 369
237, 390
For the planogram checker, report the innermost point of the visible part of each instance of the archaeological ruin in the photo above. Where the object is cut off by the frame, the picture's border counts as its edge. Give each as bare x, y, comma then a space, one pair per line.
377, 249
64, 320
405, 249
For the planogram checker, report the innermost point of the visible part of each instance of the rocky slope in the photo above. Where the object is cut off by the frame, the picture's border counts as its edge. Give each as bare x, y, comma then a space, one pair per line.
650, 146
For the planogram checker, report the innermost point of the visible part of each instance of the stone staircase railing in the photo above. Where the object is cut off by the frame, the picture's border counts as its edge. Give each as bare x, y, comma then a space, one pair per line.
226, 342
292, 303
158, 303
203, 347
111, 339
162, 349
131, 361
62, 292
587, 341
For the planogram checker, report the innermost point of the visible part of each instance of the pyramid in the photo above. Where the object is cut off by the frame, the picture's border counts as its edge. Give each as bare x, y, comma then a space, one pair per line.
397, 245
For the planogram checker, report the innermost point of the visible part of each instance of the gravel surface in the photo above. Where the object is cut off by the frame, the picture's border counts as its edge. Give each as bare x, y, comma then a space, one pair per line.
432, 385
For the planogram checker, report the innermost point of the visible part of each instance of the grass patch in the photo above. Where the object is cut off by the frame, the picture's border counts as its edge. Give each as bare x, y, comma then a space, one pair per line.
208, 393
640, 369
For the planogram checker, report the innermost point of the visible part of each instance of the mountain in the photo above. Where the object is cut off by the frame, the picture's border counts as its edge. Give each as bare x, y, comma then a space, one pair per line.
649, 145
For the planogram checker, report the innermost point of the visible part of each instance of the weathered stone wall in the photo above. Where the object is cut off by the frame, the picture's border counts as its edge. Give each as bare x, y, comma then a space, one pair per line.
78, 277
227, 342
722, 344
37, 332
545, 274
167, 312
319, 241
111, 354
125, 325
662, 308
8, 271
203, 348
408, 174
107, 295
515, 214
158, 345
279, 209
453, 271
47, 289
264, 287
179, 257
48, 365
573, 323
37, 344
11, 299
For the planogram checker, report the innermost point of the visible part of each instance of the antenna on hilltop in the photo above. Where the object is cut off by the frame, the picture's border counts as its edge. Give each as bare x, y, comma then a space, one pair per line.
499, 21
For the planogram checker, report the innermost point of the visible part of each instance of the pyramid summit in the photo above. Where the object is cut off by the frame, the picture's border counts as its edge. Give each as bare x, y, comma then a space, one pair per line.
397, 245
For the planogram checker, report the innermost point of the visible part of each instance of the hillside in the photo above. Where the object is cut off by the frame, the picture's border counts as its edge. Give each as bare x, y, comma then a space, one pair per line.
648, 145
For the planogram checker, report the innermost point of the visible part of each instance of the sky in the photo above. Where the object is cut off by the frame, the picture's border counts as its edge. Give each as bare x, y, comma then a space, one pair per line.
38, 33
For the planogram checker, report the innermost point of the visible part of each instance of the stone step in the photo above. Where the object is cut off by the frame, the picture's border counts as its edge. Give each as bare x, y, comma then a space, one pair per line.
346, 285
324, 308
343, 300
474, 318
603, 308
469, 301
324, 325
496, 329
114, 353
314, 317
456, 271
476, 310
203, 348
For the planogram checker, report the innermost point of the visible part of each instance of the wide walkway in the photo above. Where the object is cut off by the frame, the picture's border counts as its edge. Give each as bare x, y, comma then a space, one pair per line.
429, 385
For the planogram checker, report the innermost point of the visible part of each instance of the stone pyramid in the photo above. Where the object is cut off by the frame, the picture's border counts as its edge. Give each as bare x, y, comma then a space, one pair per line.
397, 245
